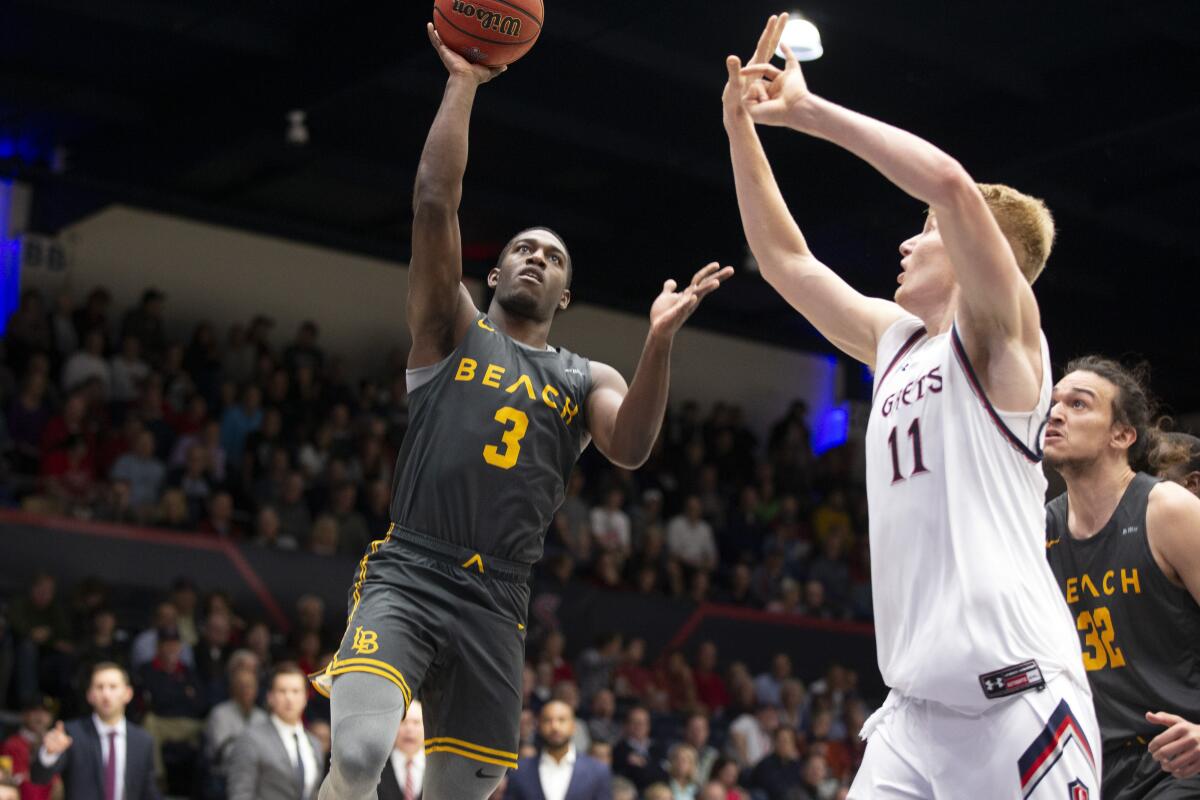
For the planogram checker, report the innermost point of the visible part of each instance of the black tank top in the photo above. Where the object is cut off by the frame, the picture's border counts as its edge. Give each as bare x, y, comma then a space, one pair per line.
1140, 633
492, 439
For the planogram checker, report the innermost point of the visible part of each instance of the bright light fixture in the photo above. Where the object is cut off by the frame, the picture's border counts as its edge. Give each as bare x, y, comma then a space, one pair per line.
804, 39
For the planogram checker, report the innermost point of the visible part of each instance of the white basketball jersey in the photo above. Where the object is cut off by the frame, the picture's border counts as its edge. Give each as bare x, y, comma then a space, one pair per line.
957, 528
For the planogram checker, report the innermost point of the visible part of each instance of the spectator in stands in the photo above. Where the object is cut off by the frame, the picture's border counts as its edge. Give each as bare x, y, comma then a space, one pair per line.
790, 599
725, 774
769, 685
185, 599
63, 335
690, 538
144, 473
323, 539
636, 756
239, 421
597, 663
145, 324
195, 480
817, 782
792, 708
28, 414
750, 736
21, 748
145, 644
127, 372
68, 477
632, 678
104, 642
202, 361
710, 686
833, 571
353, 535
104, 744
815, 603
696, 735
212, 658
229, 719
42, 629
780, 772
173, 512
220, 520
295, 518
303, 351
93, 314
560, 771
602, 724
28, 329
377, 509
257, 640
623, 789
602, 752
682, 778
88, 364
404, 773
611, 530
310, 618
278, 759
171, 696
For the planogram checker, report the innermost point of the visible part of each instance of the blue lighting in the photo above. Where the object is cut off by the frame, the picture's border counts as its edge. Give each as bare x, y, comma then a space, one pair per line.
10, 259
831, 428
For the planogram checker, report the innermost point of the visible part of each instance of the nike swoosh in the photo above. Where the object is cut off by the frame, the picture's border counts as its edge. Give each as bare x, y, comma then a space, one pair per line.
481, 774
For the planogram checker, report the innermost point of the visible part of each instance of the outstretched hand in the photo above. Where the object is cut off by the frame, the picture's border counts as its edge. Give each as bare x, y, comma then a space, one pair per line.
56, 740
671, 308
458, 66
771, 96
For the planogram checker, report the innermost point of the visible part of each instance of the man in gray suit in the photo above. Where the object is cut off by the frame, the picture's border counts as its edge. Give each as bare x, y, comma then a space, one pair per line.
278, 759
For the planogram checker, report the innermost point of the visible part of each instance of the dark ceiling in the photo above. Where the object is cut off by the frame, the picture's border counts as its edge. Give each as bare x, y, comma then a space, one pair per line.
610, 132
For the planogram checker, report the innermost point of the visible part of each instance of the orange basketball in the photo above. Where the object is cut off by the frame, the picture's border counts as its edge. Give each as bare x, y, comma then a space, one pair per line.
489, 32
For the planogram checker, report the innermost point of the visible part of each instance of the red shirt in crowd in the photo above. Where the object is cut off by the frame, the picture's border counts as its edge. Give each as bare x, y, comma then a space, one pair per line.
20, 750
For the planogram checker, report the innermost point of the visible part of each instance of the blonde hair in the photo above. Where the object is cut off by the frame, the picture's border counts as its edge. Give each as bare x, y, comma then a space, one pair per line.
1025, 222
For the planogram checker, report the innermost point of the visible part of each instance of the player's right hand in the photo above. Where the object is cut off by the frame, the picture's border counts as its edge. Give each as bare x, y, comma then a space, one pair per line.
56, 740
456, 65
738, 87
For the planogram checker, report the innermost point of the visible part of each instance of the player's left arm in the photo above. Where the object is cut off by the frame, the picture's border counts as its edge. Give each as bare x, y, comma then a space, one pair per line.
624, 420
1173, 522
997, 313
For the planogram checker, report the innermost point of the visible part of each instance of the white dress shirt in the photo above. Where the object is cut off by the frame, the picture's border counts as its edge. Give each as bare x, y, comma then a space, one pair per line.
555, 776
400, 764
289, 734
103, 730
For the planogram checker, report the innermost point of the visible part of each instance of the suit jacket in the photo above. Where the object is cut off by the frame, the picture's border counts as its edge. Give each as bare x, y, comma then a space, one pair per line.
390, 786
259, 767
82, 765
590, 780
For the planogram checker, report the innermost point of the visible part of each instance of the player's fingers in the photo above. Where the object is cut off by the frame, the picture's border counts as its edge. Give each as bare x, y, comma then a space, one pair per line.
669, 285
764, 41
777, 34
1180, 747
766, 71
1171, 734
434, 38
704, 272
790, 57
1162, 718
1186, 768
734, 65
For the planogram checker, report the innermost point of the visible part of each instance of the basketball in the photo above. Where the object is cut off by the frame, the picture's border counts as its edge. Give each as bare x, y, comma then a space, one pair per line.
489, 32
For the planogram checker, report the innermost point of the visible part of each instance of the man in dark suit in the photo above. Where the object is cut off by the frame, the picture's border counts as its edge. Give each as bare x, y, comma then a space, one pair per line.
404, 772
102, 757
278, 759
559, 773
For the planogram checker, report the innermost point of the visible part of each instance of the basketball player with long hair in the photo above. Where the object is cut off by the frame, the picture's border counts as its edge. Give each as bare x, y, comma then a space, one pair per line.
497, 420
1125, 548
989, 698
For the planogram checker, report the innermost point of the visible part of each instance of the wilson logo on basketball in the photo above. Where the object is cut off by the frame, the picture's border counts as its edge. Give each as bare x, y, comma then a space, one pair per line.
489, 20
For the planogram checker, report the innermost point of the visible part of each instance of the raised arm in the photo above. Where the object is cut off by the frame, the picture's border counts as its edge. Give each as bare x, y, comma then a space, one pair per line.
624, 420
439, 307
848, 319
997, 312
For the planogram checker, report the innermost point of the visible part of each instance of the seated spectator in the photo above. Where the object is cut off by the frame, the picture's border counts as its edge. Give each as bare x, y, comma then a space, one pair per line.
816, 782
597, 663
69, 476
377, 511
195, 480
230, 718
790, 600
696, 734
212, 658
239, 421
780, 773
323, 540
173, 512
690, 538
632, 678
792, 710
185, 599
310, 618
623, 789
710, 686
750, 736
267, 531
88, 364
353, 535
144, 473
837, 755
42, 629
602, 724
105, 642
725, 774
552, 651
636, 756
602, 752
171, 696
144, 323
657, 791
682, 778
769, 685
28, 414
127, 371
145, 644
833, 571
22, 747
220, 521
611, 530
815, 603
295, 518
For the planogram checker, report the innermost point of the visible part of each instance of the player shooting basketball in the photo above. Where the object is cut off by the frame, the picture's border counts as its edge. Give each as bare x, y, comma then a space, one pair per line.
989, 698
497, 421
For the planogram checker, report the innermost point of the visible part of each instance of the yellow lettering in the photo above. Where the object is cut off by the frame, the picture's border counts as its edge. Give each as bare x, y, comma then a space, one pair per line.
466, 370
1086, 583
493, 375
1108, 576
1072, 590
365, 642
550, 390
569, 410
523, 381
1130, 580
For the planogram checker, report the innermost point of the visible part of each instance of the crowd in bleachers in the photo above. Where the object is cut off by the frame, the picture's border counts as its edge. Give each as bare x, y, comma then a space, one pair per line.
230, 435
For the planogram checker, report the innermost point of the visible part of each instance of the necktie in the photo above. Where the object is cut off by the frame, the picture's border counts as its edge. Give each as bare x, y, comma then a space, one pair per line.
110, 768
410, 787
299, 766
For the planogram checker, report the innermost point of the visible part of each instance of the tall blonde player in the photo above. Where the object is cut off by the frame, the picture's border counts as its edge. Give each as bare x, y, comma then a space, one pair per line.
989, 698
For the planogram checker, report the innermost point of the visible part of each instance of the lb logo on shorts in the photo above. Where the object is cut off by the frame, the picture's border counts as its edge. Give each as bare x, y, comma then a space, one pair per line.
367, 642
1077, 790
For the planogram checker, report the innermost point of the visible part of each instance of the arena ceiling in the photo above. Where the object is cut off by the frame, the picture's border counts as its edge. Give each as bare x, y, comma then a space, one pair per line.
610, 131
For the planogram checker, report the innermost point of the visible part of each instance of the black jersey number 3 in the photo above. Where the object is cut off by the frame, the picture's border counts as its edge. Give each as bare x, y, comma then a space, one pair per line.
507, 458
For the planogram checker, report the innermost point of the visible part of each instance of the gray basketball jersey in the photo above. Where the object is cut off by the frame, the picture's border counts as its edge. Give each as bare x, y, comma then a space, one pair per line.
492, 438
1140, 633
